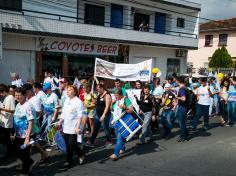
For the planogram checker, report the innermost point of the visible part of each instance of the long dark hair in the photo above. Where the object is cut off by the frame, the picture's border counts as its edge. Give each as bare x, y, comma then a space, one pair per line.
222, 83
102, 86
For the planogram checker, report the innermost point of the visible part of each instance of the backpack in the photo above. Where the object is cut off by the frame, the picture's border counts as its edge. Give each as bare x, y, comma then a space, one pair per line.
189, 98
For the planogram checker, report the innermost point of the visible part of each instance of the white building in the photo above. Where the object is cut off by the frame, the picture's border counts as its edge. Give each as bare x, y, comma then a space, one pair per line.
66, 36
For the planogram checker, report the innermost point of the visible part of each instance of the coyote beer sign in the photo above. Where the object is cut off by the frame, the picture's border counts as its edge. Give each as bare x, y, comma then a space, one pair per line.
77, 46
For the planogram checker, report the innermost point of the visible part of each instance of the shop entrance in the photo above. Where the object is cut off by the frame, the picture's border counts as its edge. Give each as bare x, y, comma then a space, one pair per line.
73, 65
81, 67
52, 62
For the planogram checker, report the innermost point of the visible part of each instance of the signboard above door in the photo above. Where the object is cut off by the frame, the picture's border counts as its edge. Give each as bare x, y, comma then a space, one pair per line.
76, 46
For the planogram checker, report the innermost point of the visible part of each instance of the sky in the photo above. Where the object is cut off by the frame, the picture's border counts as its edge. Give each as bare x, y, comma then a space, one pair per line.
217, 9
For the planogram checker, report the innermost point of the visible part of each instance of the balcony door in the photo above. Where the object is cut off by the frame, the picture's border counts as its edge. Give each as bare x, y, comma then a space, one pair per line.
116, 16
160, 23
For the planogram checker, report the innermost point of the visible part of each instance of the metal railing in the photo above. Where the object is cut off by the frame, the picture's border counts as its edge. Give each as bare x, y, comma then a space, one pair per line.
106, 23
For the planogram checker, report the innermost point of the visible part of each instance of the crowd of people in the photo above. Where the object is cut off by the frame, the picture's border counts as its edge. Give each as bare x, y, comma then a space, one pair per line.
30, 111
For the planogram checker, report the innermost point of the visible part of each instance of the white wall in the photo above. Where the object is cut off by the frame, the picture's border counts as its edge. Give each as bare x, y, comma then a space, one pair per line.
18, 56
21, 62
159, 55
69, 8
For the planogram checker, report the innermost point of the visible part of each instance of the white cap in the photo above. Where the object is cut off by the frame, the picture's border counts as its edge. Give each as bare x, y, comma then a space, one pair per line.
167, 85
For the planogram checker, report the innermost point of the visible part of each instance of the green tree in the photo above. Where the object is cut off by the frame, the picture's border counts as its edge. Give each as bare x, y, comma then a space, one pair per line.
221, 59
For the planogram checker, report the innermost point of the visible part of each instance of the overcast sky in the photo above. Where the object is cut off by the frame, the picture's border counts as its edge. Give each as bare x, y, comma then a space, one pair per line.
217, 9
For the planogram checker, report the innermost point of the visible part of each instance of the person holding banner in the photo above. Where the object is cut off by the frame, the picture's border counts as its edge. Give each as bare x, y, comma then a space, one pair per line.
118, 87
74, 119
103, 105
147, 109
121, 104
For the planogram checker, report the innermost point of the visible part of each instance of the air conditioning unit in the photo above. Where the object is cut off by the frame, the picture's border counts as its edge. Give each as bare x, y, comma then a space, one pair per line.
181, 53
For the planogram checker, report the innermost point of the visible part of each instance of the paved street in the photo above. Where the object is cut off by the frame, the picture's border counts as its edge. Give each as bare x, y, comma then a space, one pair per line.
211, 153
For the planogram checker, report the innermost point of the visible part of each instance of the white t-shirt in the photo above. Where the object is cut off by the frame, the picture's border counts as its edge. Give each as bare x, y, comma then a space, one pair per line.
35, 102
73, 110
23, 114
41, 95
6, 118
158, 91
17, 83
203, 95
50, 102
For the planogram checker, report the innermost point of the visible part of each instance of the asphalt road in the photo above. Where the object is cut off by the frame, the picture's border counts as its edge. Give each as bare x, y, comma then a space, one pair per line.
211, 153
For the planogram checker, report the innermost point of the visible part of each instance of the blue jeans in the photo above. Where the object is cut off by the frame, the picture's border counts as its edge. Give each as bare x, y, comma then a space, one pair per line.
146, 128
199, 110
120, 143
97, 125
181, 115
167, 120
214, 103
231, 111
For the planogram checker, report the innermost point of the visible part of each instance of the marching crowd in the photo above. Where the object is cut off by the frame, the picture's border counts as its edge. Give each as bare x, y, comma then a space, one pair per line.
29, 112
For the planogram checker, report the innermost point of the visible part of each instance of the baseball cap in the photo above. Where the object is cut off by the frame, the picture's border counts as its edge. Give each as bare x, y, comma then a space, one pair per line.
46, 86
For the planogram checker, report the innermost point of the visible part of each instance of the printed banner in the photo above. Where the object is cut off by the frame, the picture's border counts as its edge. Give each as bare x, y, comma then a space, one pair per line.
125, 72
131, 95
77, 46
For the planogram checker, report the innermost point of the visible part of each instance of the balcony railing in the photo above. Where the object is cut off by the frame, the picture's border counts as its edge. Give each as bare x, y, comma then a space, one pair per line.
77, 19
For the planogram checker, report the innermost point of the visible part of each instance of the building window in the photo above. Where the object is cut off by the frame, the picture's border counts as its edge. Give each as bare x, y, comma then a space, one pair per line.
180, 22
208, 40
223, 39
141, 22
206, 64
15, 5
94, 15
173, 66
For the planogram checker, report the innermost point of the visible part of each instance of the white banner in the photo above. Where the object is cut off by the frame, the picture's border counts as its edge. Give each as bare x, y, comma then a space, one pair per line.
77, 46
0, 43
131, 95
125, 72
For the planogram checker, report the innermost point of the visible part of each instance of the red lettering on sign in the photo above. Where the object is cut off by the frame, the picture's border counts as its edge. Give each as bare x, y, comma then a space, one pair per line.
75, 46
86, 47
68, 45
54, 45
114, 49
99, 49
104, 49
81, 46
61, 45
109, 50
